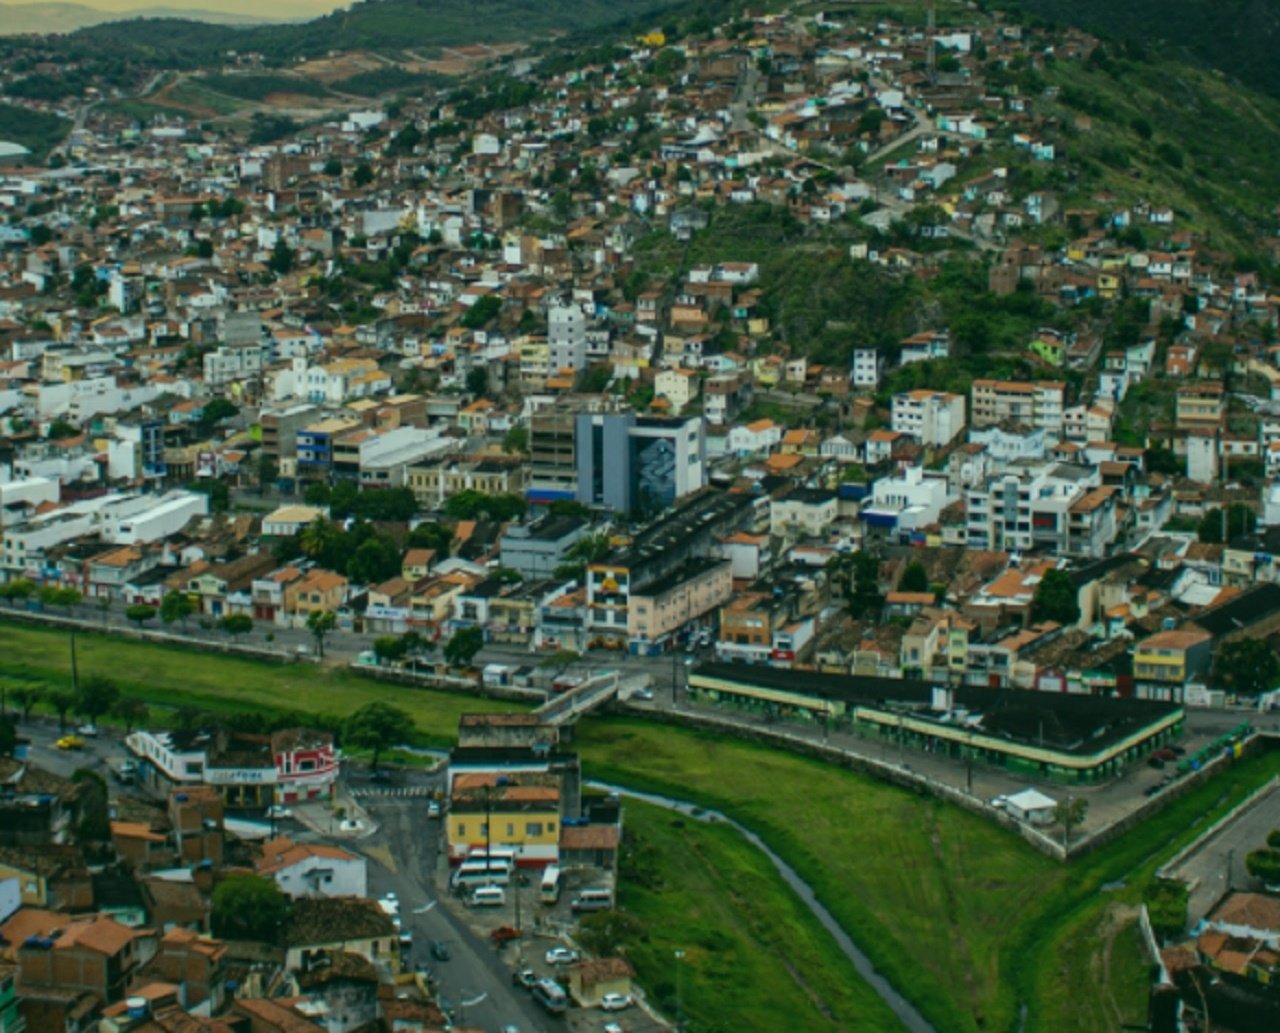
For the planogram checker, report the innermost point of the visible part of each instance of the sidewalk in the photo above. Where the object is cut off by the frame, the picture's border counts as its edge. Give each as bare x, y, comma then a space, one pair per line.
321, 817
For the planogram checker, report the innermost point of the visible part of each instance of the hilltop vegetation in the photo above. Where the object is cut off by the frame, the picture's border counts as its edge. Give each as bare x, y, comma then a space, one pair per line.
1237, 36
34, 130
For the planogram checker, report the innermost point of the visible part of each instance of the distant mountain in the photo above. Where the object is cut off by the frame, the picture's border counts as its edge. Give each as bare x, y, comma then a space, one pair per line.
384, 25
39, 19
1238, 37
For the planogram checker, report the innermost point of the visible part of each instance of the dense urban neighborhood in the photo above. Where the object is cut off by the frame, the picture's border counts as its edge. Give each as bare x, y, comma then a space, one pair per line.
440, 492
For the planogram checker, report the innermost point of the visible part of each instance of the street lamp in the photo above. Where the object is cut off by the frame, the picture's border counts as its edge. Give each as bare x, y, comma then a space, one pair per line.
679, 1011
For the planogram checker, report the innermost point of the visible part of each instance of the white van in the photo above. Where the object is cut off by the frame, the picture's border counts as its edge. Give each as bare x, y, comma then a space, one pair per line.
488, 896
593, 899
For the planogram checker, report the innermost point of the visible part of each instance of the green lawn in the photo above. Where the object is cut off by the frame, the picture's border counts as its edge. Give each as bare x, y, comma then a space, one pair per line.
755, 957
173, 677
968, 921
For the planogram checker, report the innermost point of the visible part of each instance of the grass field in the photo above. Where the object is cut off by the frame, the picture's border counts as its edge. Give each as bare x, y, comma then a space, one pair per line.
755, 957
174, 677
964, 918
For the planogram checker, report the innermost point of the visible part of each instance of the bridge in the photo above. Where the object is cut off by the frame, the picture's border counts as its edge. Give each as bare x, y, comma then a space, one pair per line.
585, 697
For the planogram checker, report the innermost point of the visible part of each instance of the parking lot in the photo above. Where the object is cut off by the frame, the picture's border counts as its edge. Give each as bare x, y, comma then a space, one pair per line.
547, 946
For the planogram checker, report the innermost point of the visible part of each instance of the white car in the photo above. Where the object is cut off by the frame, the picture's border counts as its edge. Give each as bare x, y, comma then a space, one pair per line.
561, 956
615, 1002
277, 812
350, 825
433, 809
613, 1027
643, 695
89, 730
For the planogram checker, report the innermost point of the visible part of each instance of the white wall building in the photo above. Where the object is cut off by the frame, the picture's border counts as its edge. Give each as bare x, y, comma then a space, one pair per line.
906, 501
567, 337
149, 518
934, 418
314, 869
867, 368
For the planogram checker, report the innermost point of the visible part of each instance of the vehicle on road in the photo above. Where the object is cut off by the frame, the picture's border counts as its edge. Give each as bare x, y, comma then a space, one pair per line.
613, 1027
561, 956
487, 896
70, 742
433, 809
526, 977
1155, 762
88, 729
440, 950
125, 772
350, 825
551, 995
1152, 790
615, 1002
549, 888
593, 899
504, 934
379, 775
275, 812
643, 695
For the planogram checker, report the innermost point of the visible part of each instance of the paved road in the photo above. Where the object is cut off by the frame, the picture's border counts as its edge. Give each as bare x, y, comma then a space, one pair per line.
1218, 865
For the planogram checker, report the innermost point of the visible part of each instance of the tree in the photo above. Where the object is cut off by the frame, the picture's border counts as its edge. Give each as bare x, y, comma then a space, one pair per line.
481, 311
1166, 901
1240, 521
859, 576
60, 428
1071, 814
1056, 599
1264, 865
320, 623
218, 409
560, 661
388, 648
516, 441
332, 168
133, 712
430, 535
95, 820
140, 613
462, 648
95, 696
376, 726
1246, 667
8, 734
18, 590
915, 578
62, 701
248, 907
319, 537
374, 561
282, 258
363, 174
267, 470
176, 606
477, 381
27, 696
236, 624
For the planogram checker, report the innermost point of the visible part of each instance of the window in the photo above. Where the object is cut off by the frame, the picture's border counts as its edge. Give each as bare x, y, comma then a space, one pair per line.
511, 829
462, 828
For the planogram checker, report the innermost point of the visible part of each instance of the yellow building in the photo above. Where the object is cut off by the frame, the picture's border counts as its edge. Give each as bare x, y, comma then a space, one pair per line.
1163, 662
519, 812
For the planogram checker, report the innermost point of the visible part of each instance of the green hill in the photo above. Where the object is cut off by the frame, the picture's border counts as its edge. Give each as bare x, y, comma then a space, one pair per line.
1238, 37
373, 25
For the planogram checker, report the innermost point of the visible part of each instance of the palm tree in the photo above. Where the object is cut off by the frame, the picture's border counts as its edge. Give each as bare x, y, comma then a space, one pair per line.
318, 536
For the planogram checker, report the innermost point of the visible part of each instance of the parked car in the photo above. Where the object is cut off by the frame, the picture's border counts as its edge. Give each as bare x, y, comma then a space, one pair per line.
88, 729
275, 812
125, 772
1155, 762
526, 977
440, 950
70, 742
1165, 754
561, 956
379, 775
504, 934
433, 809
643, 695
615, 1002
613, 1027
1152, 790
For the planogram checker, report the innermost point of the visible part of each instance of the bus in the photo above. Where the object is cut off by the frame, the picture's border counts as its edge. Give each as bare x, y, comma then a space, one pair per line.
551, 884
551, 995
495, 855
480, 875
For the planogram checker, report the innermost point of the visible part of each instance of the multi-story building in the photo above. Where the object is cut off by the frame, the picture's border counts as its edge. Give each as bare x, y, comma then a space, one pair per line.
676, 600
934, 418
867, 367
629, 464
315, 445
1038, 404
1163, 663
536, 549
803, 512
280, 431
232, 364
1200, 406
567, 337
433, 482
1065, 510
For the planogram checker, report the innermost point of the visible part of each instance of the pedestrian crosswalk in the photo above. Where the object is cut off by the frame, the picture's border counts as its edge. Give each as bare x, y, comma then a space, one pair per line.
367, 792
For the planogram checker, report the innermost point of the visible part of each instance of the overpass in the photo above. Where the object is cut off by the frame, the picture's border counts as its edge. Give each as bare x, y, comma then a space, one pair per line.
585, 697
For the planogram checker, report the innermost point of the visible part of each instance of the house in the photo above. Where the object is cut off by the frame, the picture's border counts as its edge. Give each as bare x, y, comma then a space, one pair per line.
804, 512
287, 521
312, 869
317, 590
678, 386
590, 980
1163, 663
353, 924
96, 955
1032, 806
934, 418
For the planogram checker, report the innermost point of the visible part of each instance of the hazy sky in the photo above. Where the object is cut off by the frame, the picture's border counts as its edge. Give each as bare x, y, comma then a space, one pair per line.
257, 8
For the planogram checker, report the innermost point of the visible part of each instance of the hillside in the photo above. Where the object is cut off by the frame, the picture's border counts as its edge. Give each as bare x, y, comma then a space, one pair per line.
386, 25
1239, 37
19, 19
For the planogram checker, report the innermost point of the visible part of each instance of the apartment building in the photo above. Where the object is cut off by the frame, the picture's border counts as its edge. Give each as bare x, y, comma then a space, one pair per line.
1058, 508
1038, 404
664, 606
1200, 406
934, 418
1163, 663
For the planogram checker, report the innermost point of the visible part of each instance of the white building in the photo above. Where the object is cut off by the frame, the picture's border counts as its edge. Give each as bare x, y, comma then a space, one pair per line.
753, 438
287, 521
1063, 510
148, 518
805, 512
906, 501
1202, 457
24, 493
313, 869
567, 337
867, 369
934, 418
227, 365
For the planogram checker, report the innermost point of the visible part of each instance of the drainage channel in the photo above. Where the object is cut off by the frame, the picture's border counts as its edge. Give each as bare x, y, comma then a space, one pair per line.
899, 1005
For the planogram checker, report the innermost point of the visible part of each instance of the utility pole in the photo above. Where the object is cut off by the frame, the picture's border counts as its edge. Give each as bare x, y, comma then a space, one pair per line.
679, 1010
75, 677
